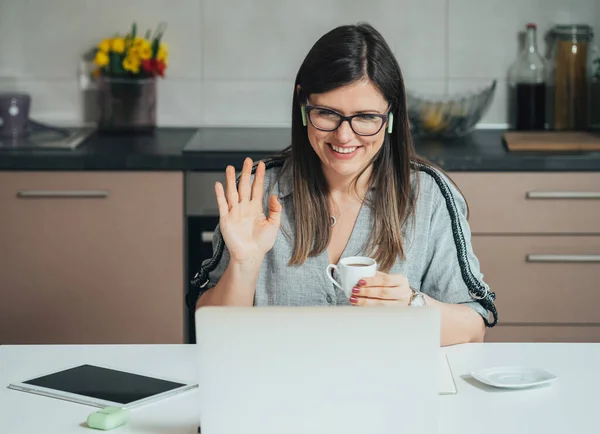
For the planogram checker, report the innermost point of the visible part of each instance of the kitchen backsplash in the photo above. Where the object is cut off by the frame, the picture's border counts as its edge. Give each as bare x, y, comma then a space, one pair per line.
234, 62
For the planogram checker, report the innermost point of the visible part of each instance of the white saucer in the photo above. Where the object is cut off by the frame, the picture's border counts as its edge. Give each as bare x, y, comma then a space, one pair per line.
513, 377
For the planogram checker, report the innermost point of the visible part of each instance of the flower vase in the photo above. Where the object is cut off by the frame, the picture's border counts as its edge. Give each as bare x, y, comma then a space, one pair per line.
126, 105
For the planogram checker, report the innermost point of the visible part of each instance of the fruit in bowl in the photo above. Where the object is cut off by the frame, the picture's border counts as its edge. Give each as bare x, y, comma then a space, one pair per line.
451, 116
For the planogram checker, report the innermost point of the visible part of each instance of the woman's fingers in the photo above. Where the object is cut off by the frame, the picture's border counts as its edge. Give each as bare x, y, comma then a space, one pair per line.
244, 184
362, 301
274, 210
384, 287
231, 192
383, 279
221, 200
244, 190
382, 292
259, 182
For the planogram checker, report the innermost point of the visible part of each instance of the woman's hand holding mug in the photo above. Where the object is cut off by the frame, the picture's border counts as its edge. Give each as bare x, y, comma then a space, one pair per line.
365, 286
382, 290
247, 232
350, 270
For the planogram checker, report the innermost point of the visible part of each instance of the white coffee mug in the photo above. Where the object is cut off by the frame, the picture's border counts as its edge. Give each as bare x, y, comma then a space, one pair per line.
351, 270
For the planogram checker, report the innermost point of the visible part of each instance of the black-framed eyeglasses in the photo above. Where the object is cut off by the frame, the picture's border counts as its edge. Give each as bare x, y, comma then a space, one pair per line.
363, 124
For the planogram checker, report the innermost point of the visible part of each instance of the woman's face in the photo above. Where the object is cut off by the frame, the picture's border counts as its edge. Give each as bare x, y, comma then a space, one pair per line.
343, 152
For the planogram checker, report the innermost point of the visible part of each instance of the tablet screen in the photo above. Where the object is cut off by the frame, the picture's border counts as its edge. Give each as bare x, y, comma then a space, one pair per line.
102, 383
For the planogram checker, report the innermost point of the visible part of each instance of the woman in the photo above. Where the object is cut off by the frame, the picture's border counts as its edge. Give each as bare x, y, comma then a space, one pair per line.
350, 184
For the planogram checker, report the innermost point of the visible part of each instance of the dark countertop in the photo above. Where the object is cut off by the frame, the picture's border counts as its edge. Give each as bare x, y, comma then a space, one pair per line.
481, 151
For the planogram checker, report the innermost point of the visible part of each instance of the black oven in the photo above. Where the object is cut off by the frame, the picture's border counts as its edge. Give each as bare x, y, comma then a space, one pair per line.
199, 248
202, 216
202, 213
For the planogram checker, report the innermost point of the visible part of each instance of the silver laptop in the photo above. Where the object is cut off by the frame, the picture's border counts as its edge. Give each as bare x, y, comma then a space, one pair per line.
318, 370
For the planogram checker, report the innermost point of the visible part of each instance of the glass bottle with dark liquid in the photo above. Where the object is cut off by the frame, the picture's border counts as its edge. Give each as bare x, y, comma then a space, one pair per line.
527, 81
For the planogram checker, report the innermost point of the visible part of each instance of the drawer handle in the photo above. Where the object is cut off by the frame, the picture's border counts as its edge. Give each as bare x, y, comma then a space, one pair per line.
62, 194
207, 236
562, 258
563, 195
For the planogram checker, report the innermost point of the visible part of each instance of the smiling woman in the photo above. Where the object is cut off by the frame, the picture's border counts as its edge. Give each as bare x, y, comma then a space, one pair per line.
350, 184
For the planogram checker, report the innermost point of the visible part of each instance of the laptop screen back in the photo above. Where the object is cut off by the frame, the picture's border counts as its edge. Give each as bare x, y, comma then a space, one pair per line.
298, 370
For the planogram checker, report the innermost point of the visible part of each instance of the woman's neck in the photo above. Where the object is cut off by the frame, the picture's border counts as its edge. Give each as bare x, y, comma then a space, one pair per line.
342, 187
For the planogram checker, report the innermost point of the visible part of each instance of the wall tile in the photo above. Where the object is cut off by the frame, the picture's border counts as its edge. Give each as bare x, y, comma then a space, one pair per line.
247, 103
261, 39
484, 35
54, 100
233, 63
65, 40
10, 41
179, 102
434, 87
9, 84
51, 42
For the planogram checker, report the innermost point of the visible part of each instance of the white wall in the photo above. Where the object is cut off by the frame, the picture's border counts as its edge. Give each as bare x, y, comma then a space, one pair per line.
233, 62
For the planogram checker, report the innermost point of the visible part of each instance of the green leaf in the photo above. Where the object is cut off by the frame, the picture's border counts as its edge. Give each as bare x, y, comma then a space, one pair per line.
133, 30
155, 45
116, 63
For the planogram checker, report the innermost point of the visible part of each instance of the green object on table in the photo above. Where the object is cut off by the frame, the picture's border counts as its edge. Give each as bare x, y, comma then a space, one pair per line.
108, 418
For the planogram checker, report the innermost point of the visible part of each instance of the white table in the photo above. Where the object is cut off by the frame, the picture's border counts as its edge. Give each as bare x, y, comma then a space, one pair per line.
568, 405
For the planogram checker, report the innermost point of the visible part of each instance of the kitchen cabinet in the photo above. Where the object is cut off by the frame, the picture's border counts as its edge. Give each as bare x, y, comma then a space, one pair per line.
537, 237
91, 257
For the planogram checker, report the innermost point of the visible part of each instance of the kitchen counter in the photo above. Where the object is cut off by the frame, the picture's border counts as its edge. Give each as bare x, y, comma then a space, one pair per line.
482, 151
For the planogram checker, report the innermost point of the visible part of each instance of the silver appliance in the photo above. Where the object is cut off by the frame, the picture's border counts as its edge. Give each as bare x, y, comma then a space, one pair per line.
14, 114
19, 132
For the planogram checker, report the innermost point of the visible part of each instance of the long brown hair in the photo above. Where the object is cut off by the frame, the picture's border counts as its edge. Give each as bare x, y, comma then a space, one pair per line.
341, 57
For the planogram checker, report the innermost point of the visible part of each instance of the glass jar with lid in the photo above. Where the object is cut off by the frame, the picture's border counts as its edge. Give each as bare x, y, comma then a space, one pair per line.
569, 82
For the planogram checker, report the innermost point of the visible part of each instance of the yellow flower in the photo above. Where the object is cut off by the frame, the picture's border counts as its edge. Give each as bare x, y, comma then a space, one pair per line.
141, 48
118, 45
104, 46
163, 52
145, 52
101, 59
131, 64
134, 53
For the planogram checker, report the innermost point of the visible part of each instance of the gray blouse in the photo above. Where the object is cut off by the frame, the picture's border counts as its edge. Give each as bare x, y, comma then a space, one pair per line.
439, 258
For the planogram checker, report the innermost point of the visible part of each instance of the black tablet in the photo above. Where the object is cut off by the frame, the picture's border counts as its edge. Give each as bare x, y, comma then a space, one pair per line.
102, 387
